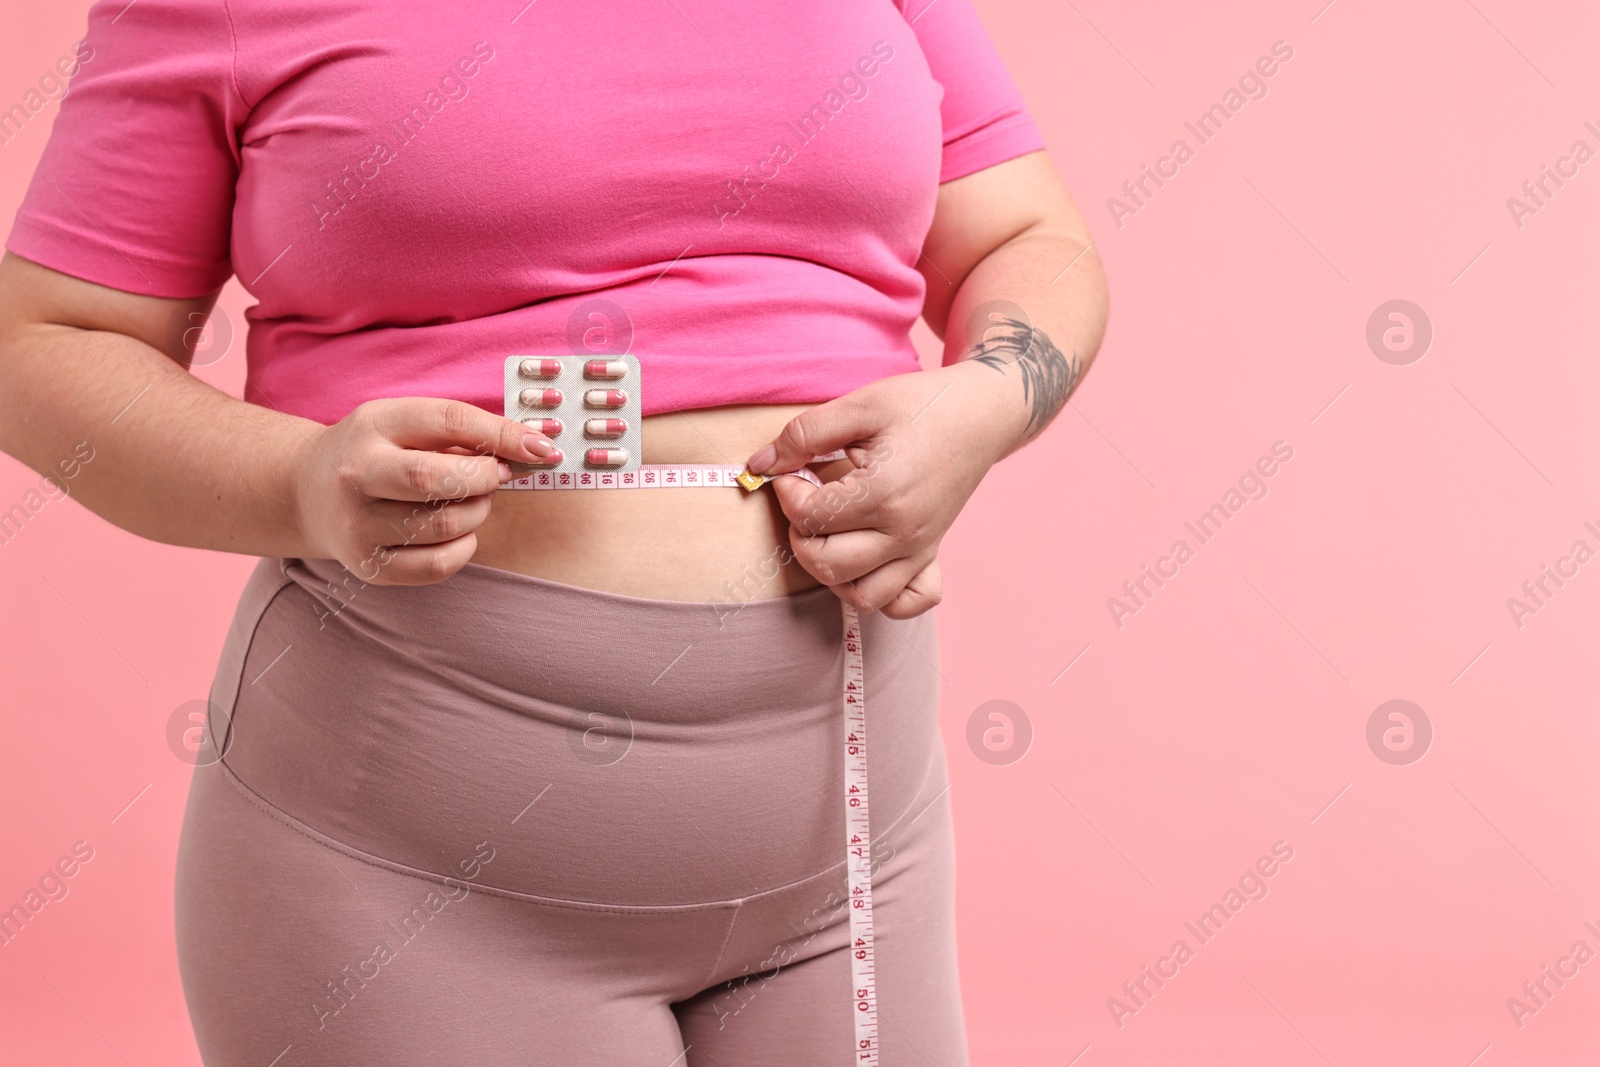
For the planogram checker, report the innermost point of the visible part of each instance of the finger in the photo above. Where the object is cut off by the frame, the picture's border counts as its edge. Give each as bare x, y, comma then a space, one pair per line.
504, 468
900, 589
845, 504
411, 474
394, 523
433, 424
880, 585
817, 431
924, 591
418, 564
844, 557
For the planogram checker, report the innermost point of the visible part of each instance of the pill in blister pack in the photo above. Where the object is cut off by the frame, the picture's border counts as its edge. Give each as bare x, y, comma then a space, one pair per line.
539, 368
605, 369
606, 457
558, 396
540, 398
604, 398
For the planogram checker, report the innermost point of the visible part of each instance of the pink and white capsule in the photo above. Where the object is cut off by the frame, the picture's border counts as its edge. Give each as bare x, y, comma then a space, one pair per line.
603, 398
541, 398
605, 368
606, 457
605, 427
548, 427
539, 368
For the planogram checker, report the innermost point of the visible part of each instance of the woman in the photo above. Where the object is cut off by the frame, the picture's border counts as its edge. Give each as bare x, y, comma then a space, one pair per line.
550, 777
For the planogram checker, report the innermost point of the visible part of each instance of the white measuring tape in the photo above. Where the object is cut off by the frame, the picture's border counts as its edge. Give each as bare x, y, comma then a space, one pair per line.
646, 476
858, 853
858, 835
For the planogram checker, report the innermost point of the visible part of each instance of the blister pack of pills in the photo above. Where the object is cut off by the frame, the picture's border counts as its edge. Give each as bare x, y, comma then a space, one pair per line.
588, 407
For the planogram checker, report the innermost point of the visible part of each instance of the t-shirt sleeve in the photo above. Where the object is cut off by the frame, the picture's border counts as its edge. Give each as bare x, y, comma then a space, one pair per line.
985, 118
135, 188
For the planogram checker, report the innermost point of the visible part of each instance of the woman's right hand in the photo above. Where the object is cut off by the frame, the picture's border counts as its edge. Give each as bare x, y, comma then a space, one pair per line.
396, 489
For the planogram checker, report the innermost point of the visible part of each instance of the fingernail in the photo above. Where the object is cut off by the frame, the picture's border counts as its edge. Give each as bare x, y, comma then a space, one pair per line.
505, 470
762, 460
538, 446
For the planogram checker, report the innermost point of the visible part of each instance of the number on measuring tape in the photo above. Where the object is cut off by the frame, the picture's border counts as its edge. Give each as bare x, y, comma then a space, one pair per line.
858, 842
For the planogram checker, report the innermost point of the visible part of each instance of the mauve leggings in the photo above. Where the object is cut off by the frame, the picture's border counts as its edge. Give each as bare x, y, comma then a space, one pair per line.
505, 821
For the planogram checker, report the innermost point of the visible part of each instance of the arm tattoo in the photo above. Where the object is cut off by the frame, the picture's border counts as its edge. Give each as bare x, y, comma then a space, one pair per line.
1048, 377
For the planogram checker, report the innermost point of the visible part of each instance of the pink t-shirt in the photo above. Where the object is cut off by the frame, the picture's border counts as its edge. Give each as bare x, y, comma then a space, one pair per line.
737, 193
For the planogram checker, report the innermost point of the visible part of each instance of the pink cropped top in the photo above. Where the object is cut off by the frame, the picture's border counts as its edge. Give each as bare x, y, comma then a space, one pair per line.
736, 193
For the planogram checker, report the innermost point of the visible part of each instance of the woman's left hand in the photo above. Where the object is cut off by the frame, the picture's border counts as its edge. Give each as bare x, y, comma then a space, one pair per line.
920, 442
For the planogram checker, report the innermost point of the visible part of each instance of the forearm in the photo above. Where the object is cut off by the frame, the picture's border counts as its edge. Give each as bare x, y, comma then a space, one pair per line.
1032, 311
144, 444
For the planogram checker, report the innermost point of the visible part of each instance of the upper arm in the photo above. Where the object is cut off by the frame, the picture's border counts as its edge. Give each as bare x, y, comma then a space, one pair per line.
125, 225
134, 192
976, 214
34, 297
996, 181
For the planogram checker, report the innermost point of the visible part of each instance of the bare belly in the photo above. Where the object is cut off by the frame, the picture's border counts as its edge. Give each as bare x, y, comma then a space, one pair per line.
664, 544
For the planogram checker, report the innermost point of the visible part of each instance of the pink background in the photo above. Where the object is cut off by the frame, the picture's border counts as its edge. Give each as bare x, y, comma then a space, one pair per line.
1231, 709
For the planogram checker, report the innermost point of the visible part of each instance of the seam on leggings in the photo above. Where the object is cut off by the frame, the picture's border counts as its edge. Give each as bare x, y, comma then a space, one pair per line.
284, 582
879, 835
733, 920
318, 838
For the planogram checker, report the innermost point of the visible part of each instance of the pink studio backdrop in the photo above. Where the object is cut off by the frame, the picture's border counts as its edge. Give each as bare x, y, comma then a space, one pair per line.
1177, 739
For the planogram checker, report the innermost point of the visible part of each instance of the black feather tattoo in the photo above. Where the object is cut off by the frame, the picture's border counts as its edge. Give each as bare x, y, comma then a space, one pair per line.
1048, 377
